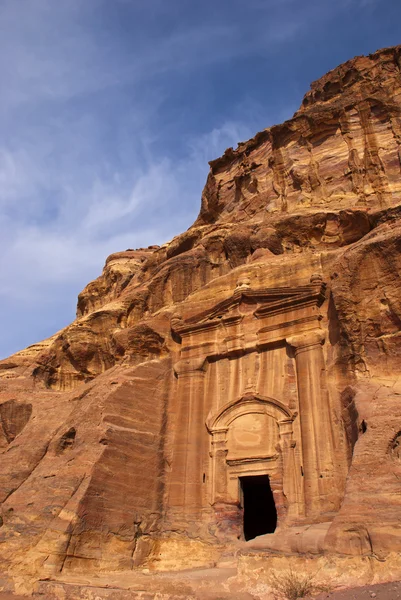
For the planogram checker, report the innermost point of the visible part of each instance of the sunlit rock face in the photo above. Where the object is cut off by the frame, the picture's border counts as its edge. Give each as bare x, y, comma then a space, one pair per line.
253, 361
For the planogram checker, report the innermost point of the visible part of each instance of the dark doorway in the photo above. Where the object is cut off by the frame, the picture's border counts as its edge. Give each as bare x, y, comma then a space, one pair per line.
260, 515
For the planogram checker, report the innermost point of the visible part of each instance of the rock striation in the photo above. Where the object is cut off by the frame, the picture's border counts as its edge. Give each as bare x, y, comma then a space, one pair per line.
239, 388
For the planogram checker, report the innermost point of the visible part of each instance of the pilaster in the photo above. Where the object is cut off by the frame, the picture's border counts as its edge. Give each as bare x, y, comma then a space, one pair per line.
292, 486
186, 477
320, 491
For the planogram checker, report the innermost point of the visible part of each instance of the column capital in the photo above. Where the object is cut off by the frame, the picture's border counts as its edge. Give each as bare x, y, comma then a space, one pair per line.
286, 425
190, 366
308, 338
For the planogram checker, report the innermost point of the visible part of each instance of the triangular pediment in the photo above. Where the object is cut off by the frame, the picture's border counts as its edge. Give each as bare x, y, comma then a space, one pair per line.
266, 301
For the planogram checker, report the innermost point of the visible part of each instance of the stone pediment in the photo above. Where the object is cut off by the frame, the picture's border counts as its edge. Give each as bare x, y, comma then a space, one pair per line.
248, 402
263, 302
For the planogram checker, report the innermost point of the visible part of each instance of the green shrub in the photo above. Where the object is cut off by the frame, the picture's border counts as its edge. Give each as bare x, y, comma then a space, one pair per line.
292, 585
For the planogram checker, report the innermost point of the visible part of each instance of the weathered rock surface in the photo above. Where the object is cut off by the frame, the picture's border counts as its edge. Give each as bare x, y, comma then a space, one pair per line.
262, 346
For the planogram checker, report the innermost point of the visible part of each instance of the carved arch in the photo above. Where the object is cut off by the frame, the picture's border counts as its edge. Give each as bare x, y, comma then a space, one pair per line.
244, 405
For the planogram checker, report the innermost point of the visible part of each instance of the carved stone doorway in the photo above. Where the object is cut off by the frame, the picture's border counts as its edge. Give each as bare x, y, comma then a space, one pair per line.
260, 515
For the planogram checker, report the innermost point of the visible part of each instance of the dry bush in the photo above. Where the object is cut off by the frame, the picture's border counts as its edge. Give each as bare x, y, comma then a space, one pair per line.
292, 585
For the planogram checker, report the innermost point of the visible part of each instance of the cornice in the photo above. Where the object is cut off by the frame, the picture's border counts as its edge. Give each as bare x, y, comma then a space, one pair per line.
268, 301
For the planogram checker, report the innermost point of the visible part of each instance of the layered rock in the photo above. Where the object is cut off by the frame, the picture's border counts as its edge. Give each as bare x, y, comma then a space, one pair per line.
264, 342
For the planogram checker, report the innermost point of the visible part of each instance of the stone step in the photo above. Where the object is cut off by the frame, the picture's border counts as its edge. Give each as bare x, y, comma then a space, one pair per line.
49, 590
194, 585
228, 563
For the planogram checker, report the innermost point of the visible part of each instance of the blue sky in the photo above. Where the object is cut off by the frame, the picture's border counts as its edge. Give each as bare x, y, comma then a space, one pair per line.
111, 109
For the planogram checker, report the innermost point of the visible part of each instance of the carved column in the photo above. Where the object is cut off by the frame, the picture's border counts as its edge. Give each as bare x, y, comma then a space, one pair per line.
219, 466
320, 488
291, 476
187, 463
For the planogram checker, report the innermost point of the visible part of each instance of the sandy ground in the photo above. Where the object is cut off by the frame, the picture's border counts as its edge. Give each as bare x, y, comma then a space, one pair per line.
383, 591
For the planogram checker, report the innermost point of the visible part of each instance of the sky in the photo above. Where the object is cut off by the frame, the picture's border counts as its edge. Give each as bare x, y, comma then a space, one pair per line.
111, 109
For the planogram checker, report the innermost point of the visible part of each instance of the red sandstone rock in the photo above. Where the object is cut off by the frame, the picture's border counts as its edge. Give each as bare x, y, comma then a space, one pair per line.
263, 342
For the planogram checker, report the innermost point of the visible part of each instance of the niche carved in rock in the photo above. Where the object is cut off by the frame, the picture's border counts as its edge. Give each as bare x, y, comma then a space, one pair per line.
66, 441
395, 447
14, 416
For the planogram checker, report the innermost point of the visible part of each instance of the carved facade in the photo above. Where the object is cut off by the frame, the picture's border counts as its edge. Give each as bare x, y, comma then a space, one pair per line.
253, 401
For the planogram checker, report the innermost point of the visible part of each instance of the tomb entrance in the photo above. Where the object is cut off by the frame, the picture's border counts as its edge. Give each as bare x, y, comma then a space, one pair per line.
257, 501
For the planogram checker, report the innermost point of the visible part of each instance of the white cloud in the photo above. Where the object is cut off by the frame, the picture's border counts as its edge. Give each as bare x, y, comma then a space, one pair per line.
40, 260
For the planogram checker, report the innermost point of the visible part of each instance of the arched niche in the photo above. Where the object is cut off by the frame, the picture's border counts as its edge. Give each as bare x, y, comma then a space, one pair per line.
249, 403
248, 437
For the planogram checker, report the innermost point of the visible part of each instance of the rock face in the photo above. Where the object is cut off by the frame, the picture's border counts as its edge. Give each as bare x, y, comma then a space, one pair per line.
242, 380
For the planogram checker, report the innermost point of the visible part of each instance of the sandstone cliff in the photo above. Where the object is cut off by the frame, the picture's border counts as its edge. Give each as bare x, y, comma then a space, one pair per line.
281, 307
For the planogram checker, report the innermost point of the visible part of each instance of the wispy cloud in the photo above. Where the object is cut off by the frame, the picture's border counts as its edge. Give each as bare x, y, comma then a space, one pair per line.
57, 230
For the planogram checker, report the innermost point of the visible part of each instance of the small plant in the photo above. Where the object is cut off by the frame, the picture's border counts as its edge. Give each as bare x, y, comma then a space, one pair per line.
292, 585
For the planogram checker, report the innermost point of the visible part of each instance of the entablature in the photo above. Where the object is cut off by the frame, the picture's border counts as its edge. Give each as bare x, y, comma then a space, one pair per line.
251, 319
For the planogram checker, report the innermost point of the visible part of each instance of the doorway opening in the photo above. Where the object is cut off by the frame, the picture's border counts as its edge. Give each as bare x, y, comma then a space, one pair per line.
260, 515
